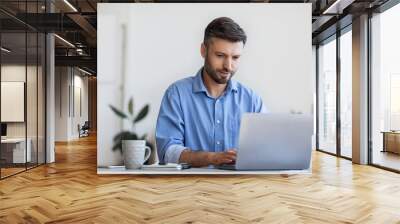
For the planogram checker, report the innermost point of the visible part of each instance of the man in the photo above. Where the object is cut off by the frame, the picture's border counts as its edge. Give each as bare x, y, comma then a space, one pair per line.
199, 117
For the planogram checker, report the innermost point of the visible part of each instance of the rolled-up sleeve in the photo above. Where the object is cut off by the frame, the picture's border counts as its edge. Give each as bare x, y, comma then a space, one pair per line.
170, 127
173, 153
258, 105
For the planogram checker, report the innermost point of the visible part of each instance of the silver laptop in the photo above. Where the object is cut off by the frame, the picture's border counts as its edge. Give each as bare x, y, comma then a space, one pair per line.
274, 142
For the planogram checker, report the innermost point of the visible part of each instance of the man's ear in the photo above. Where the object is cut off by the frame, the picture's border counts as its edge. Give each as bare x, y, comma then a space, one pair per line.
203, 50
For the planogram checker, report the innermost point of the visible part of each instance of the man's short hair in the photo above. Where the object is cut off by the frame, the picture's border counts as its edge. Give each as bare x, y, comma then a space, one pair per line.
224, 28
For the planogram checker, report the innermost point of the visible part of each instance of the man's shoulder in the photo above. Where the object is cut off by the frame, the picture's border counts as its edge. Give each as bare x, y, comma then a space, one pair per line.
251, 99
184, 84
188, 81
245, 90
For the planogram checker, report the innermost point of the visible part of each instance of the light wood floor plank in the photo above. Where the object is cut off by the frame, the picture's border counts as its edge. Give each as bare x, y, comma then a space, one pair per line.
70, 191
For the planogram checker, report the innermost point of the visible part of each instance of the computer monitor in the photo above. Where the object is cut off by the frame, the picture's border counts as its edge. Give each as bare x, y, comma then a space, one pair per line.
3, 129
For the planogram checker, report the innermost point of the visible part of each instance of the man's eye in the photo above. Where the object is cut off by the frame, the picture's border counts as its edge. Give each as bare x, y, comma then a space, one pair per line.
220, 55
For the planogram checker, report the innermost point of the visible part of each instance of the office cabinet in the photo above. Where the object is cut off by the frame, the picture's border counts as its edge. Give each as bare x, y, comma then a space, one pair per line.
391, 142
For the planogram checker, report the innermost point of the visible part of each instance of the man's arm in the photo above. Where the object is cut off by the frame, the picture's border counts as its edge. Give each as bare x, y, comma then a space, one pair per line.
201, 158
170, 127
170, 137
258, 105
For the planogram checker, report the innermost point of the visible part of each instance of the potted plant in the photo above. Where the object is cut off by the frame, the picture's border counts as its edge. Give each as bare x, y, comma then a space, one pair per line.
133, 120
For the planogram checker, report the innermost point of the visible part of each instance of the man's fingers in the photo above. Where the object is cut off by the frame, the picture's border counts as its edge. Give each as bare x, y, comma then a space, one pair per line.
232, 152
227, 161
230, 157
226, 157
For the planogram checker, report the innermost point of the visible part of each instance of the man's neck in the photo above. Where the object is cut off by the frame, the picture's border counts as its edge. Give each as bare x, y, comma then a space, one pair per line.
214, 89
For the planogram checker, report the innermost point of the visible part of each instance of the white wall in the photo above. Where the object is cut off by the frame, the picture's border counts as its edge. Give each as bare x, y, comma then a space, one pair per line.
80, 103
162, 45
69, 82
61, 103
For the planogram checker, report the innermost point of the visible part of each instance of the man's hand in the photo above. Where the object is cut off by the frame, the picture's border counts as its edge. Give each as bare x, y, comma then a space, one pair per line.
200, 158
220, 158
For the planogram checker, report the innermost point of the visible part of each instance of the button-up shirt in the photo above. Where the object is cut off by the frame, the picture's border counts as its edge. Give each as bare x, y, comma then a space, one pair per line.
191, 118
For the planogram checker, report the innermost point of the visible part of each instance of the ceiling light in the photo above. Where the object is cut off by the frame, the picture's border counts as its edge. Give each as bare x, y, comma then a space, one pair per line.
65, 41
338, 6
5, 50
84, 71
70, 5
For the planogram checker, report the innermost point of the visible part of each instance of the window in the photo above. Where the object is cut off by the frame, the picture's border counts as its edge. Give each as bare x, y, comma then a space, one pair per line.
346, 93
327, 96
385, 88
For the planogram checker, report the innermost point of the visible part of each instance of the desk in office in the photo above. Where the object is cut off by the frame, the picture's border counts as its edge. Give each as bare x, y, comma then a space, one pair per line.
194, 171
18, 151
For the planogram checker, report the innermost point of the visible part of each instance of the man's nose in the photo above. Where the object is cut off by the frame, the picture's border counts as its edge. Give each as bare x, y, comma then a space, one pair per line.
228, 64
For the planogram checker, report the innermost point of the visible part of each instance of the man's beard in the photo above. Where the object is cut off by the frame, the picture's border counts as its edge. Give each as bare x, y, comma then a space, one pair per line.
213, 74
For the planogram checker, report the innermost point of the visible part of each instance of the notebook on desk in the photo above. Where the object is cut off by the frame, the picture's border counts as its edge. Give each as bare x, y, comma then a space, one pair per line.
273, 142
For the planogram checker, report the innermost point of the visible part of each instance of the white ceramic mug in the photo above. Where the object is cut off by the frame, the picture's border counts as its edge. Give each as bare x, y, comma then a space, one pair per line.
135, 153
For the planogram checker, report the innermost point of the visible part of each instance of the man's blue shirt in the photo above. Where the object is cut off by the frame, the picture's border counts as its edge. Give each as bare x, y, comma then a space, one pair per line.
190, 118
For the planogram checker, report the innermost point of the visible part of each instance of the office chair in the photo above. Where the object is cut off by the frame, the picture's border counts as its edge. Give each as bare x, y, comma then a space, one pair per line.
84, 130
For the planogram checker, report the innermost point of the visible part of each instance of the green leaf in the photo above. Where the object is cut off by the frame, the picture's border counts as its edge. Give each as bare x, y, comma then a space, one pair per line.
130, 136
118, 112
130, 106
120, 135
142, 114
125, 135
117, 146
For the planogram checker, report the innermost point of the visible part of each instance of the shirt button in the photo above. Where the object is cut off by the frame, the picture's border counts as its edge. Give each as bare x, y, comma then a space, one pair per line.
218, 121
218, 142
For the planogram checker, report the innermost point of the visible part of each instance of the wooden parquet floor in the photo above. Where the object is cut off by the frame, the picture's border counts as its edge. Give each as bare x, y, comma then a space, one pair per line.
70, 191
10, 171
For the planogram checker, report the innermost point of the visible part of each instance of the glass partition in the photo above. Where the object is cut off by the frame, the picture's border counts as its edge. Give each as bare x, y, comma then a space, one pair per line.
41, 107
32, 95
23, 89
327, 96
13, 105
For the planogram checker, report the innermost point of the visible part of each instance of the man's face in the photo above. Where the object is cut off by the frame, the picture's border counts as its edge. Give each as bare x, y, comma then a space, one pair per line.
221, 59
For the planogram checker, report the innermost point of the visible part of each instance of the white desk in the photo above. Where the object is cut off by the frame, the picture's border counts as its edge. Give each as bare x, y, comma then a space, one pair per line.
19, 149
196, 171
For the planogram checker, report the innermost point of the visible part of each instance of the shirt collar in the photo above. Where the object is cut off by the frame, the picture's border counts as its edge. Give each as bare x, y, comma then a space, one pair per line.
198, 84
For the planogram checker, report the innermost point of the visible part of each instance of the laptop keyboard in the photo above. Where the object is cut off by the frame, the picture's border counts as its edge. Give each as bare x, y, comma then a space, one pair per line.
227, 167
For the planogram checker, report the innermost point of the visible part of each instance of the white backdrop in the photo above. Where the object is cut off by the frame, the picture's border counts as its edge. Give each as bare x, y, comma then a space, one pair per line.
143, 48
